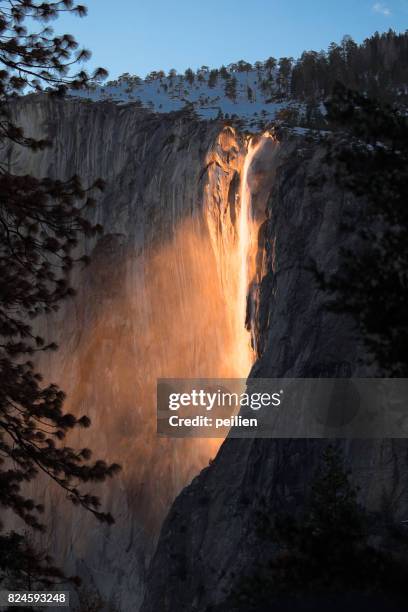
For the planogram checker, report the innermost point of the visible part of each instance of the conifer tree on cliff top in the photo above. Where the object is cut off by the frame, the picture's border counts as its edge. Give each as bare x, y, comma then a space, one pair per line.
41, 222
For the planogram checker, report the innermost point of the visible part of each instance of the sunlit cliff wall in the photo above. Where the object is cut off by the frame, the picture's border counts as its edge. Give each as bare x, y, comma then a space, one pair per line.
159, 299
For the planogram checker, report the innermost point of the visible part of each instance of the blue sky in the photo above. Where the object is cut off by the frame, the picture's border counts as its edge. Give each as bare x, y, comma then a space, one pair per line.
138, 36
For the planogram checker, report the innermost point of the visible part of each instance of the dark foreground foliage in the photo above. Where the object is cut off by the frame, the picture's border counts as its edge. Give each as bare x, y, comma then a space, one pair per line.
370, 156
324, 558
41, 224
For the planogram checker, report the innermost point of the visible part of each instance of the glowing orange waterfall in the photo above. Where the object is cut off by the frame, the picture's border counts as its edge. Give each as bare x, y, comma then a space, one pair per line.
233, 229
247, 249
246, 239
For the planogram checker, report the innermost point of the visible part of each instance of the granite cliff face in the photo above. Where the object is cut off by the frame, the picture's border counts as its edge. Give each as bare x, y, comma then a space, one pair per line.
151, 304
160, 299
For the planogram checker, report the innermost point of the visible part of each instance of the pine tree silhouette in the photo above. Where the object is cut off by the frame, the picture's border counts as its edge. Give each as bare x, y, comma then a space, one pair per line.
369, 155
41, 222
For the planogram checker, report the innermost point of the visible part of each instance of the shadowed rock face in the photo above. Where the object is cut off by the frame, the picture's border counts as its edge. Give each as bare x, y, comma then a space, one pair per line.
208, 535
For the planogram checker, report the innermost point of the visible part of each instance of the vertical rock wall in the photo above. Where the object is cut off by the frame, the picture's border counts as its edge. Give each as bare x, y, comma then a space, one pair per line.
151, 304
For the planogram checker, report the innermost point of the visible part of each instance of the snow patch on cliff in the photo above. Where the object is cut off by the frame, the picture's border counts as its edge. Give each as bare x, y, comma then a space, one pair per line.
252, 95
